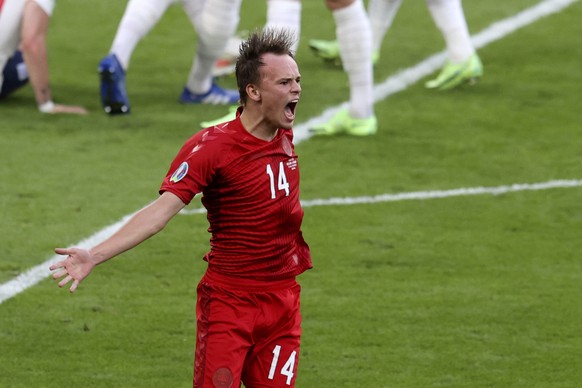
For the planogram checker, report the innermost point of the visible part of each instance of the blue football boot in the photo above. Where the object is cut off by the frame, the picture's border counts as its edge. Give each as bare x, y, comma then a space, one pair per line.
14, 75
113, 94
215, 96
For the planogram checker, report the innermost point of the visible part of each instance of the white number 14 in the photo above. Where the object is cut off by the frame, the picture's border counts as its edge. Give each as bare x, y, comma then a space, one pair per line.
287, 369
282, 183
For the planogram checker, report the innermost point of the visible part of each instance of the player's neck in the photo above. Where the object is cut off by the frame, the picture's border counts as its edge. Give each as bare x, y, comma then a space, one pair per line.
256, 126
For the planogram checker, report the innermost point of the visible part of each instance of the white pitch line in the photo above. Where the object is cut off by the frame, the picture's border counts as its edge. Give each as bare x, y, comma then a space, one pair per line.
391, 85
423, 195
37, 273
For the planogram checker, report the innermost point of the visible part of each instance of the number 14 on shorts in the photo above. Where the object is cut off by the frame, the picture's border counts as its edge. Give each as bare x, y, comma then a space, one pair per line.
288, 366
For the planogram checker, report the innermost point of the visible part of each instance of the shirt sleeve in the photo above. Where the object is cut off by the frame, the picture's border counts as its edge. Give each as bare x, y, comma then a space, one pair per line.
193, 168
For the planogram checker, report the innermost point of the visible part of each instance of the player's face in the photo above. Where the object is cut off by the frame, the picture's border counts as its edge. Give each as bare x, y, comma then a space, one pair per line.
279, 89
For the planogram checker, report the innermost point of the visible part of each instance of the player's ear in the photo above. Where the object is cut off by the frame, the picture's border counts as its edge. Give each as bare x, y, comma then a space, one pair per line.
253, 92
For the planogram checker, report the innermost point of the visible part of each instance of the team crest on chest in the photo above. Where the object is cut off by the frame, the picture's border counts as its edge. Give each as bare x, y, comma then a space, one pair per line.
179, 173
286, 144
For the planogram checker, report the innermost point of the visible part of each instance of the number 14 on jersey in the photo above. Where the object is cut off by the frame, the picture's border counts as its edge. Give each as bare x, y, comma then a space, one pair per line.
282, 182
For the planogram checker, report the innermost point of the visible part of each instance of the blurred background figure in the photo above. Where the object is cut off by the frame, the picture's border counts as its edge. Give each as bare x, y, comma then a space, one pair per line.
354, 47
281, 14
463, 64
355, 39
215, 21
23, 52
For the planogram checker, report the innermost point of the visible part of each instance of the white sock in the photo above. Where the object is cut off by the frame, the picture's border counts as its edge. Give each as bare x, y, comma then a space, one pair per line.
216, 24
449, 17
285, 14
381, 14
354, 36
138, 19
232, 47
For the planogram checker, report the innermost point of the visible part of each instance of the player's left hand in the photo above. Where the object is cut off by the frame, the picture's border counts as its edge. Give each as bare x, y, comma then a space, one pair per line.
76, 267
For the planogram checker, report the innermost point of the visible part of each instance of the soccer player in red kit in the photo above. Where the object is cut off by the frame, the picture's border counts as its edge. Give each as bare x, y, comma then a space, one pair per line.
248, 318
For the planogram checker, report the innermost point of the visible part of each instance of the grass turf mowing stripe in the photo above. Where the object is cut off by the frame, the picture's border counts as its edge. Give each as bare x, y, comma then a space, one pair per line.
391, 85
41, 271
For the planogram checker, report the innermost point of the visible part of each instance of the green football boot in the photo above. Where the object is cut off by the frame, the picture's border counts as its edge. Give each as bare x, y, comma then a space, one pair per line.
343, 123
453, 75
329, 51
231, 115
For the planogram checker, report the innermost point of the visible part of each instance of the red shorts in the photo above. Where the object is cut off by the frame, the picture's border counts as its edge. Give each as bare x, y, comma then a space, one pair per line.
246, 331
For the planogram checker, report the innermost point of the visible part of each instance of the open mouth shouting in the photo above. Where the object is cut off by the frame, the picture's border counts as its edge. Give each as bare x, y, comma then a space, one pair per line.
290, 110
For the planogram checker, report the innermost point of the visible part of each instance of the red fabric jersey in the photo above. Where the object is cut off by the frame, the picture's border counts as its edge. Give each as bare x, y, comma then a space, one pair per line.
250, 189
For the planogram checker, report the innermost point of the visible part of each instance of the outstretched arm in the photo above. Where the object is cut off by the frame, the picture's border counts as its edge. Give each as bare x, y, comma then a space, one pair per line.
35, 22
144, 224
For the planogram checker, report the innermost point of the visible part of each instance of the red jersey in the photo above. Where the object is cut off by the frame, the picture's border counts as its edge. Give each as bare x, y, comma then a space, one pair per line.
250, 190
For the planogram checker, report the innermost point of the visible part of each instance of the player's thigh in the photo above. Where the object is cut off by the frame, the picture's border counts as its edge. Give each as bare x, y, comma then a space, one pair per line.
223, 338
274, 359
274, 366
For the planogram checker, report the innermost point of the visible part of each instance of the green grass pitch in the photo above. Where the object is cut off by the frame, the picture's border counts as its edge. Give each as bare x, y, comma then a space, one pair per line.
464, 291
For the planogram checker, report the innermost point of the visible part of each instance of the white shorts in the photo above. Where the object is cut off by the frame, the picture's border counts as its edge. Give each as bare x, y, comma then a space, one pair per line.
10, 22
46, 5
